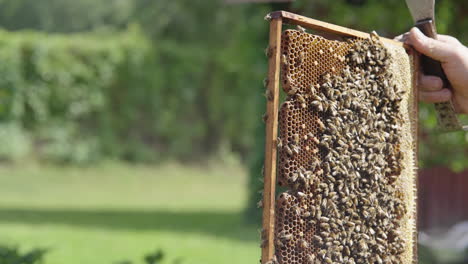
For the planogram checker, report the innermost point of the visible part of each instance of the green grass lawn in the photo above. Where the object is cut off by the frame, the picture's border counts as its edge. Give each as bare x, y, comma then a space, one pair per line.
117, 212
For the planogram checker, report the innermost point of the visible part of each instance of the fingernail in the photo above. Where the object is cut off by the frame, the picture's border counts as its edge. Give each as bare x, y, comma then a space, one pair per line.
404, 37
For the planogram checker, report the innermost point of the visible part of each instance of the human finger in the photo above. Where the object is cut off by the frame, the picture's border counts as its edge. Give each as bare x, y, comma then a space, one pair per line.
448, 39
430, 47
443, 95
430, 83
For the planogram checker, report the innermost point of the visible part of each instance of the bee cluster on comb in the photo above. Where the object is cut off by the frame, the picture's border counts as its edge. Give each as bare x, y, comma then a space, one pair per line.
341, 155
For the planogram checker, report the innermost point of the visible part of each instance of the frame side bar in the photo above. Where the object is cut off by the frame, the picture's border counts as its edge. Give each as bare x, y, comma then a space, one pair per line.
268, 232
325, 27
416, 64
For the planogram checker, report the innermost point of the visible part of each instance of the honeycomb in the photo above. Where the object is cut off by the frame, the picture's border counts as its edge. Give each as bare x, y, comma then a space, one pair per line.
342, 153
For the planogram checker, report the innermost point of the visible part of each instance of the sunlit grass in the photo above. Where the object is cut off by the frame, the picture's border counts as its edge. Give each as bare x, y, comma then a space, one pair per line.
117, 212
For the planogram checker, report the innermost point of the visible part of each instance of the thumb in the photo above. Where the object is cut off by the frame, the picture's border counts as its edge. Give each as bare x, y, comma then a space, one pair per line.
433, 48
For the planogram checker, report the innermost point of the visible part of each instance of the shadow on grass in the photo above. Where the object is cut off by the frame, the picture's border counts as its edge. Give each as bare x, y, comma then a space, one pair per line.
221, 224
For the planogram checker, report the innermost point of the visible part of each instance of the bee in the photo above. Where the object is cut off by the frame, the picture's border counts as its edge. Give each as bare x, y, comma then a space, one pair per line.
279, 142
358, 228
321, 52
301, 194
301, 29
296, 186
268, 52
269, 95
315, 140
314, 164
295, 149
330, 49
279, 243
316, 63
263, 233
301, 98
301, 57
324, 234
347, 251
296, 139
265, 117
383, 235
303, 244
325, 145
317, 105
286, 237
265, 82
317, 239
293, 90
312, 89
260, 204
294, 177
320, 124
288, 150
363, 245
379, 259
274, 259
284, 60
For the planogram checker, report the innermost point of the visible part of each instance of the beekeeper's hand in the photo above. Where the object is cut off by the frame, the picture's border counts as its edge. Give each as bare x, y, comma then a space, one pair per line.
454, 59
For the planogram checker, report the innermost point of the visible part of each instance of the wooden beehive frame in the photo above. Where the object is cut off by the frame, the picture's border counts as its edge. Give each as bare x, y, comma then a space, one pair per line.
277, 19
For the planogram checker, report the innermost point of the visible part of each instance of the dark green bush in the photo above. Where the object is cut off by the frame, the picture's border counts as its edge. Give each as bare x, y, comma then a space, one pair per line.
12, 255
56, 91
182, 91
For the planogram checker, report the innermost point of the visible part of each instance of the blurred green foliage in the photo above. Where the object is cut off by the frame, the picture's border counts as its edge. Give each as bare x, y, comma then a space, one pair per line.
66, 97
182, 88
65, 15
12, 255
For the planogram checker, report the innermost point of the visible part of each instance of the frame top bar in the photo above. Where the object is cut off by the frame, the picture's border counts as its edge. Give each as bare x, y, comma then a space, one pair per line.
310, 23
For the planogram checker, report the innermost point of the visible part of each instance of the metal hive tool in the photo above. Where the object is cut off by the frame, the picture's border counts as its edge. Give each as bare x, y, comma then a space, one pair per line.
293, 230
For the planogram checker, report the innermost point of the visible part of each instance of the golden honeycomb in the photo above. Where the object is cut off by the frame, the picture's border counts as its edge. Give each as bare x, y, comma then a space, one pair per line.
307, 62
